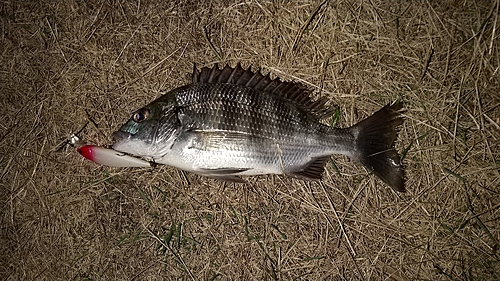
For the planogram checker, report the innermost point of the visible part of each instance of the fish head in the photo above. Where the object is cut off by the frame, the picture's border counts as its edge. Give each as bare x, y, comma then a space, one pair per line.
150, 132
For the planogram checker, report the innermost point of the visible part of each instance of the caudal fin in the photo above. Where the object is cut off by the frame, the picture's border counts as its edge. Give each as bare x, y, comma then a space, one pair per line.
374, 145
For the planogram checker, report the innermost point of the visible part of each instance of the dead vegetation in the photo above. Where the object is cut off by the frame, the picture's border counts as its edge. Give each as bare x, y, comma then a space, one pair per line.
65, 64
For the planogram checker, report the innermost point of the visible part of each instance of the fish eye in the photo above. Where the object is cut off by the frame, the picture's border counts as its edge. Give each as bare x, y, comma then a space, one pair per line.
141, 115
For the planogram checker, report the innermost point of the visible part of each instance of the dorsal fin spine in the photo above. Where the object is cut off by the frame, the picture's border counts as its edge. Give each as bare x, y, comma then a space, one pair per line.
213, 73
251, 80
196, 74
273, 84
264, 81
280, 87
224, 74
247, 74
231, 77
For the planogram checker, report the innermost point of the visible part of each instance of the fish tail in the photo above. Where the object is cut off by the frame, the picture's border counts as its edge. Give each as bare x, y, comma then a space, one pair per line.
374, 140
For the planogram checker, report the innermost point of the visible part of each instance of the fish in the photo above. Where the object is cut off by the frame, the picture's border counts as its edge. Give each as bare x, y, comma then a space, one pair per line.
231, 122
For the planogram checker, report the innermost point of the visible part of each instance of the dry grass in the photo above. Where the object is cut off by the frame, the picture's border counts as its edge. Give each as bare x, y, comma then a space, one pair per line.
65, 64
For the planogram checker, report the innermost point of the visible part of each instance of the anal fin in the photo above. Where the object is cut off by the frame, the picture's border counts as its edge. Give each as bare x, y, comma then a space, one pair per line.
312, 170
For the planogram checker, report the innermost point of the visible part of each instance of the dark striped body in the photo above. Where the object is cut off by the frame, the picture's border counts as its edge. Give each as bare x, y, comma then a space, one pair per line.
233, 122
234, 127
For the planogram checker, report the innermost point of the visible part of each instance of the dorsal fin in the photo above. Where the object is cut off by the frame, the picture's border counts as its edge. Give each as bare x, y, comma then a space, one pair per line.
291, 91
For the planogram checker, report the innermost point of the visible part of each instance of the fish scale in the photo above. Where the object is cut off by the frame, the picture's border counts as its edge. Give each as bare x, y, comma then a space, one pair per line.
235, 122
228, 111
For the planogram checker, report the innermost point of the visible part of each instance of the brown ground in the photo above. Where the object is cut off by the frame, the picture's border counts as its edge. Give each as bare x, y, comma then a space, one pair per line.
68, 63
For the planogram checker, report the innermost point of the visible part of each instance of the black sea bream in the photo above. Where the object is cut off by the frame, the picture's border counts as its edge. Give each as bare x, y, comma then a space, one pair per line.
234, 122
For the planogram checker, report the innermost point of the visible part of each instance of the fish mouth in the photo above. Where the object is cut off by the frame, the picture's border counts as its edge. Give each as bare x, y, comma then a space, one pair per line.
121, 135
